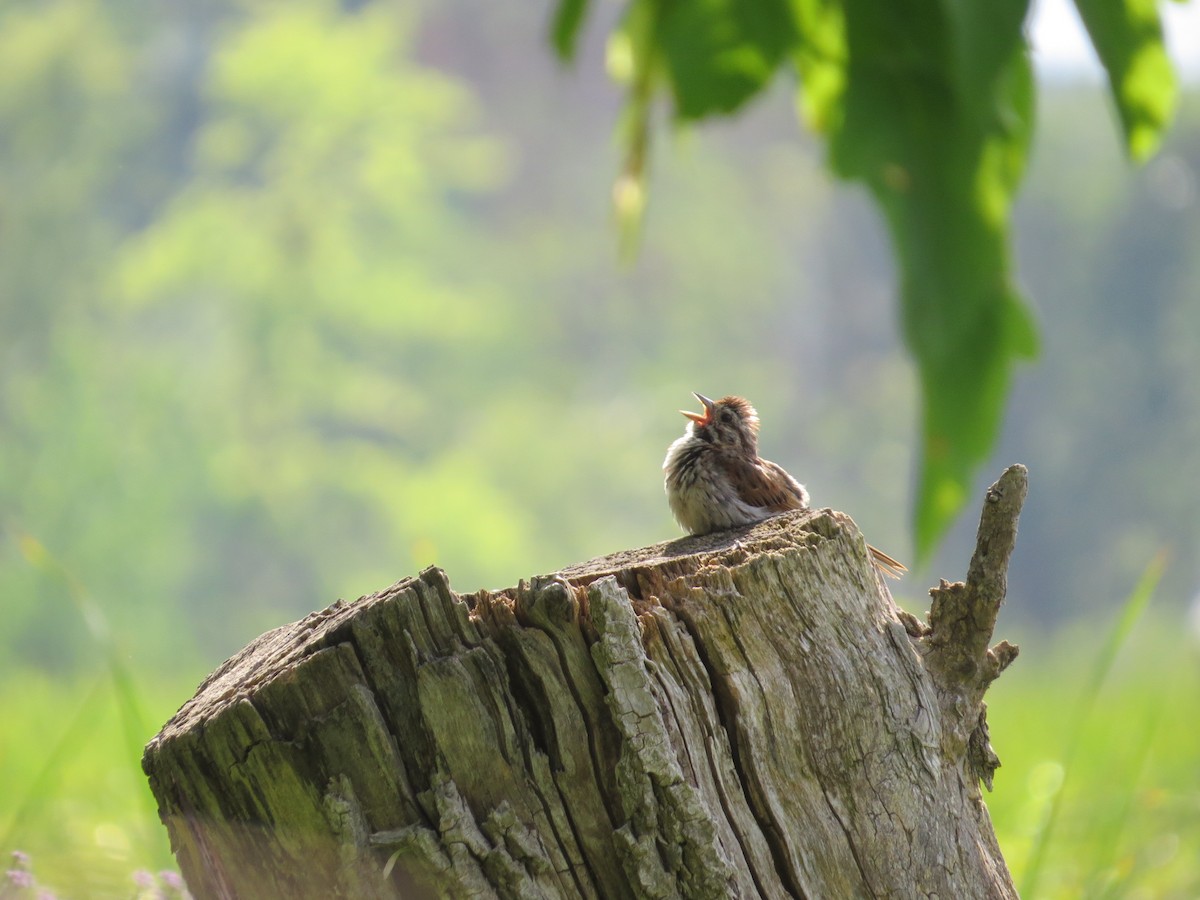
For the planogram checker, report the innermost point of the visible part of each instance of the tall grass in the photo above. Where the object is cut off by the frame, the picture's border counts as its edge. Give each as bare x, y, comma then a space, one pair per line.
1131, 612
72, 795
1100, 793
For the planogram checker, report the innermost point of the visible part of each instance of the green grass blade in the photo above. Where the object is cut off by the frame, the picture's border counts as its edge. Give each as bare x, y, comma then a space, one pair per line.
59, 755
1131, 612
128, 698
1109, 842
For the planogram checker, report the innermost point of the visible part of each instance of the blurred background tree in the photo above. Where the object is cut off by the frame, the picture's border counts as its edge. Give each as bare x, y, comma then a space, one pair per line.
298, 298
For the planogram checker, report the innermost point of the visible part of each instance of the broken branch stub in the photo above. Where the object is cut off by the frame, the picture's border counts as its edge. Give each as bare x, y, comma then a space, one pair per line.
962, 619
742, 714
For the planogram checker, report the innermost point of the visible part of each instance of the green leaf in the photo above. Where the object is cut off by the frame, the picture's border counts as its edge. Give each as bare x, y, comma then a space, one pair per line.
565, 26
719, 53
985, 37
940, 134
1128, 37
820, 57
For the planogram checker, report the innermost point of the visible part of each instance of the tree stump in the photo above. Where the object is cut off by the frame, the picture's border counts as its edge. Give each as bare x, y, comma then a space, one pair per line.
743, 714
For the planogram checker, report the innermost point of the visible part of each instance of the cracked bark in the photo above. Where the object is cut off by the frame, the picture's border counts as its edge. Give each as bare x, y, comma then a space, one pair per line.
743, 714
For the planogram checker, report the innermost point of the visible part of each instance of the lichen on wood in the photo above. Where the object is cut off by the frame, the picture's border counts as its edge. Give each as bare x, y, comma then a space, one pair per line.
744, 714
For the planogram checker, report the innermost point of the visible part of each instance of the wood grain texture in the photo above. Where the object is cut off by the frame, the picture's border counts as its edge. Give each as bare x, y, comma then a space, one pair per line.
743, 714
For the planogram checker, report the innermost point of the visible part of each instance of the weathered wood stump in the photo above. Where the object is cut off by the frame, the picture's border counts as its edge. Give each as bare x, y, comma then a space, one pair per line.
743, 714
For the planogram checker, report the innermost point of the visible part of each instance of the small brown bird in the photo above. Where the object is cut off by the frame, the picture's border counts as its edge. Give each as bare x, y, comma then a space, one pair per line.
715, 478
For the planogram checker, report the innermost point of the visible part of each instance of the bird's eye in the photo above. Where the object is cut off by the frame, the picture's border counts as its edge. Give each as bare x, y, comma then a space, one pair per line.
726, 415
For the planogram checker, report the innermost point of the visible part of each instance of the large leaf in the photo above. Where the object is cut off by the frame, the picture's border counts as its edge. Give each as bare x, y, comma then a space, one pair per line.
1128, 37
820, 59
936, 120
564, 27
719, 53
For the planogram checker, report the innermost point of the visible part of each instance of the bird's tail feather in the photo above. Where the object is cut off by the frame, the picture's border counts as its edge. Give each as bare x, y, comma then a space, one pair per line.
885, 564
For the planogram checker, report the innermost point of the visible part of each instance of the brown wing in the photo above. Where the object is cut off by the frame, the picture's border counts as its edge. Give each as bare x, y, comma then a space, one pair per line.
761, 483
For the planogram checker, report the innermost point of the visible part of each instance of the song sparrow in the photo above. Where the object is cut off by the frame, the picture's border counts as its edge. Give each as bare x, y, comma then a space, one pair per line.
715, 478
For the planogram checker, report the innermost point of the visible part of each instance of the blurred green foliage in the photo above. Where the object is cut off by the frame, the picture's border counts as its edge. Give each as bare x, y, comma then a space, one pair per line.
298, 298
278, 340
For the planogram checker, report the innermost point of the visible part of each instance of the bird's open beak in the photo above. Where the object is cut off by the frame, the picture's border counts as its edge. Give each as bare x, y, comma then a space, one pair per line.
701, 418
